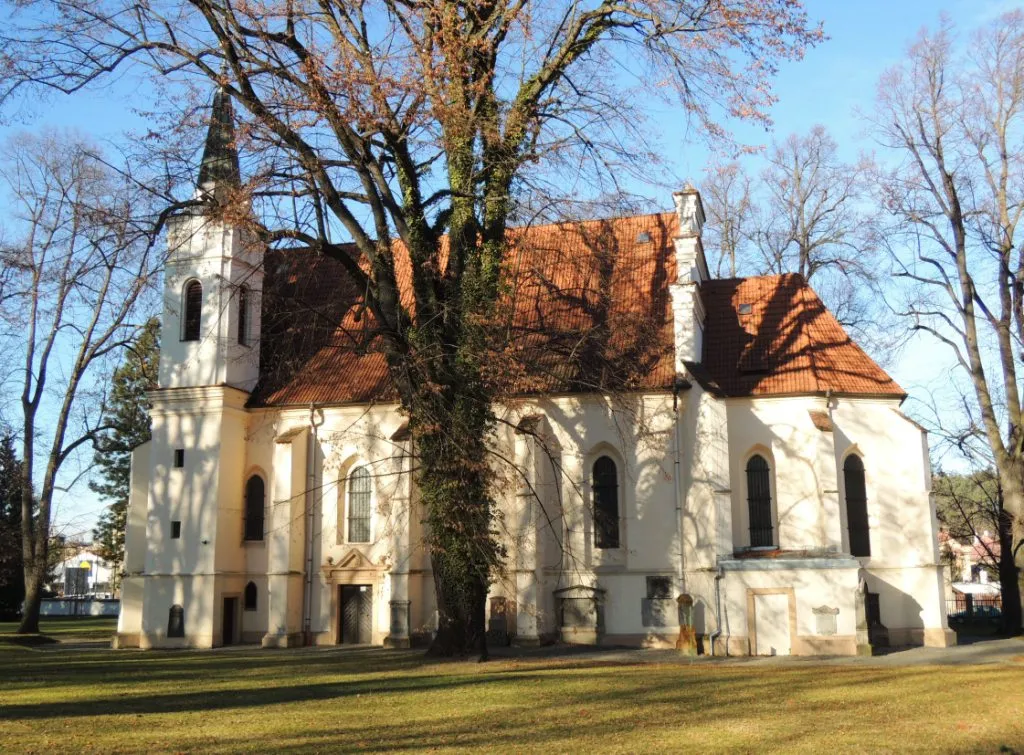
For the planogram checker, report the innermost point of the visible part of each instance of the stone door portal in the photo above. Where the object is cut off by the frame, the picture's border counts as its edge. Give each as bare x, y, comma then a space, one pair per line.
356, 614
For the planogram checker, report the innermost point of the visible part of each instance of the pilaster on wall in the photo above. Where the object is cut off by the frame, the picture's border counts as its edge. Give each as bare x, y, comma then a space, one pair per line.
400, 541
286, 538
831, 519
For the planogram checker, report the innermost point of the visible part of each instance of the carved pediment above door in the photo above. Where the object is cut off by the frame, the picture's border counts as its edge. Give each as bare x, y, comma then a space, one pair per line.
354, 568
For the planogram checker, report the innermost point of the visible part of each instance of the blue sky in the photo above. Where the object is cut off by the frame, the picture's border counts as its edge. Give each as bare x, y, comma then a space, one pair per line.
827, 87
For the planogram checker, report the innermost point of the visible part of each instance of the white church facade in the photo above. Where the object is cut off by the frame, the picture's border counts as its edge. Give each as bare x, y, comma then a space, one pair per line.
757, 463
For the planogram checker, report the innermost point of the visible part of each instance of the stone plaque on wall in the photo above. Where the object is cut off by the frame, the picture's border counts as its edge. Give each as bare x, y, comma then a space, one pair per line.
825, 620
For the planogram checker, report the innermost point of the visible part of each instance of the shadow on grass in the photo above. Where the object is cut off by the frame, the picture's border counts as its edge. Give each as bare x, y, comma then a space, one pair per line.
368, 701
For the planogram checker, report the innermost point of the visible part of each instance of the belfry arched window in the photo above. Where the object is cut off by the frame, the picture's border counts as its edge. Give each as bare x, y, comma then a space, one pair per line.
759, 502
192, 311
606, 503
856, 506
243, 315
254, 493
359, 505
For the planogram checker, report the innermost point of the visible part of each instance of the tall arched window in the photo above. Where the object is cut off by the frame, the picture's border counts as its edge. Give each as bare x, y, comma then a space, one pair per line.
359, 506
759, 502
856, 506
606, 504
249, 599
192, 314
243, 315
254, 508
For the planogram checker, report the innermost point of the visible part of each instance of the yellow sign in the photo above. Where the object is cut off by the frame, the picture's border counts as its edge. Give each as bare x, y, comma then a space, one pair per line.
85, 565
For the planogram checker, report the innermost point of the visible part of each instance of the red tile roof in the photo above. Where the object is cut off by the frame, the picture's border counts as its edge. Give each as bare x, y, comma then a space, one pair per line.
772, 335
587, 309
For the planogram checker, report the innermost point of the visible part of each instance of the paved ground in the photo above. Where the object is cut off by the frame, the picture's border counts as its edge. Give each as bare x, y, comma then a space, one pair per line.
972, 652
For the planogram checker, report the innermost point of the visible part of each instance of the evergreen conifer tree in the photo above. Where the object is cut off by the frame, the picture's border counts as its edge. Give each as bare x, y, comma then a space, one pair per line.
12, 577
127, 410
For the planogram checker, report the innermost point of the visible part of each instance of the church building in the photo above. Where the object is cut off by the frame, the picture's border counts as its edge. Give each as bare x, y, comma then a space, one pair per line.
679, 448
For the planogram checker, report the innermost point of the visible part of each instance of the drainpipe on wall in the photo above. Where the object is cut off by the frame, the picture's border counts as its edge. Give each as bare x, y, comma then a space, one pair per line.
679, 384
718, 609
307, 594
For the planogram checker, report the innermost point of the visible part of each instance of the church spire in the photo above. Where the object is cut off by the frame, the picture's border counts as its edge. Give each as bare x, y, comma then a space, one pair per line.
219, 168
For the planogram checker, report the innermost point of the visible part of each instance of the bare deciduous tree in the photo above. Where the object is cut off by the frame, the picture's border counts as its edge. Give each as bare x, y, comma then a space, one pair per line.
79, 264
806, 213
729, 207
956, 197
429, 123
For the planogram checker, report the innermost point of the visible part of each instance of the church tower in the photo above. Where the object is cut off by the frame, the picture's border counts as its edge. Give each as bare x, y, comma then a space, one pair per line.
186, 539
214, 278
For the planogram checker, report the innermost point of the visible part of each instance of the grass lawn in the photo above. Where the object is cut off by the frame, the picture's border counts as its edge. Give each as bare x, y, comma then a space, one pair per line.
377, 700
67, 628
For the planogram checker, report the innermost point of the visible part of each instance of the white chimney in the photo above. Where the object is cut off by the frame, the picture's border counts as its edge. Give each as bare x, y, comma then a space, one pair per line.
691, 271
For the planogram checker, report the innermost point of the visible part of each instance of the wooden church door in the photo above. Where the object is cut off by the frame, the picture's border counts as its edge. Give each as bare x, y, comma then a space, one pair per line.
356, 615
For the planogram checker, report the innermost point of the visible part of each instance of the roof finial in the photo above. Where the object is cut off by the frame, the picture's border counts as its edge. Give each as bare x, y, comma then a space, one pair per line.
219, 167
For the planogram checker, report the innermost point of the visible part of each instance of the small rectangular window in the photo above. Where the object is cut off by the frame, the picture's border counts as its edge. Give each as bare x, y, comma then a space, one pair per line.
175, 530
179, 458
659, 588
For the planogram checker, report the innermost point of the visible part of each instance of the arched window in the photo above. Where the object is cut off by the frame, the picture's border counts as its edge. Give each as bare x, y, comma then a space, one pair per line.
856, 506
243, 315
192, 314
249, 600
359, 505
606, 503
254, 508
759, 502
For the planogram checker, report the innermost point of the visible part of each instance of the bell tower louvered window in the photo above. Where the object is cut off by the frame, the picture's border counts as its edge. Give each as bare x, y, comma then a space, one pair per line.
606, 503
759, 502
856, 506
193, 311
359, 506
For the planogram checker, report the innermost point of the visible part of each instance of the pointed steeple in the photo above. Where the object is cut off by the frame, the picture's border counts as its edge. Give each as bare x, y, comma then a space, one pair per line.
219, 168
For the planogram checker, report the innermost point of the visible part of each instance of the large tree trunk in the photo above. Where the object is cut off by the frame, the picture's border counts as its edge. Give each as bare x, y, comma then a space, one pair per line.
34, 544
454, 481
1011, 557
33, 599
1009, 576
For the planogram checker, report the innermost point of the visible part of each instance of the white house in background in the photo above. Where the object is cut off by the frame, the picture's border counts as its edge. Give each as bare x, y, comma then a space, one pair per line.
751, 456
82, 573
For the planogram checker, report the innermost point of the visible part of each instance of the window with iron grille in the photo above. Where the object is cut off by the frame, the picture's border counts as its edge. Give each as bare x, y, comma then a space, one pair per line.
856, 506
606, 503
359, 506
193, 311
759, 502
254, 505
243, 315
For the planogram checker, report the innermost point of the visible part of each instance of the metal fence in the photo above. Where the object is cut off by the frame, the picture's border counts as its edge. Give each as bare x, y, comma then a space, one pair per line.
974, 607
79, 607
